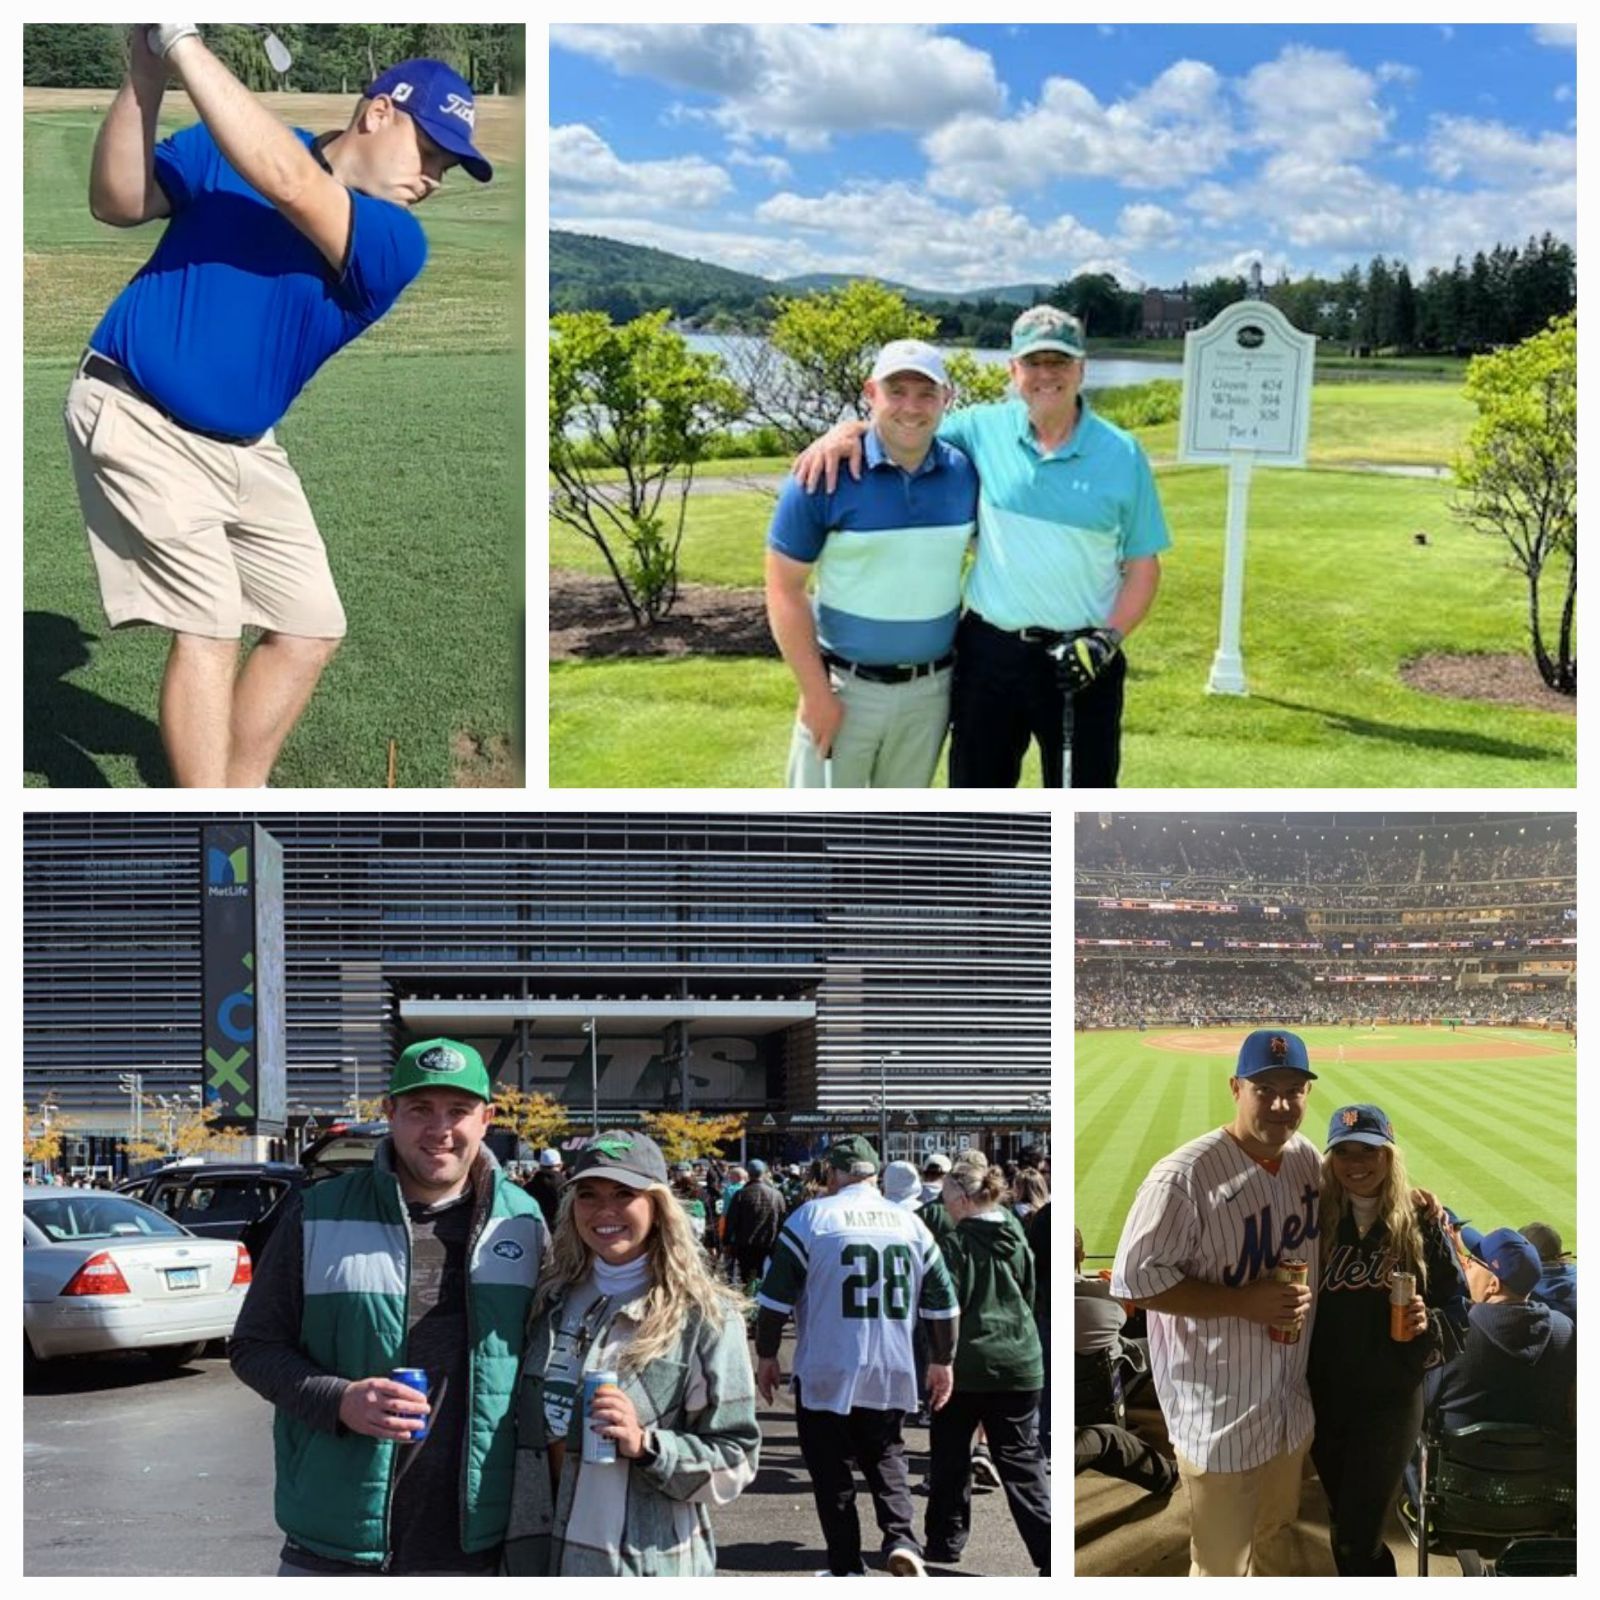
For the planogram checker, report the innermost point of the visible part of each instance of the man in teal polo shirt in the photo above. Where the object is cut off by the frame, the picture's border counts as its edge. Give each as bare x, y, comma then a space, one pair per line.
873, 660
1070, 531
425, 1259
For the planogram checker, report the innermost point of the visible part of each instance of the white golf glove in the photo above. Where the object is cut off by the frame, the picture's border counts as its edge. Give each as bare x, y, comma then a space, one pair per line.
161, 36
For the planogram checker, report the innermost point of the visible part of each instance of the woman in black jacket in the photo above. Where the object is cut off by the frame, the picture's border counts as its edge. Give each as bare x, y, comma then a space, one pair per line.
1365, 1370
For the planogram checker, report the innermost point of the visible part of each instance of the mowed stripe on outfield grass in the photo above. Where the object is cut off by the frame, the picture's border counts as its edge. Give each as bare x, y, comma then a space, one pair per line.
410, 446
1495, 1139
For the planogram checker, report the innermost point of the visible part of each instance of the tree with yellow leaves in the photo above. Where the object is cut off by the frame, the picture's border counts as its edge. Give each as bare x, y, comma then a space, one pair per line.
687, 1135
41, 1132
537, 1120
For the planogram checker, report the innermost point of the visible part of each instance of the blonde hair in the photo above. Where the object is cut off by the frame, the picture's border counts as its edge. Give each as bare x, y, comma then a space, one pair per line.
1030, 1188
1395, 1211
680, 1280
978, 1182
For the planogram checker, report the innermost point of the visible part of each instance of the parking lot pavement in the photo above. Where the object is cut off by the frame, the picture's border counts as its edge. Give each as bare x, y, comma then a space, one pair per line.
131, 1472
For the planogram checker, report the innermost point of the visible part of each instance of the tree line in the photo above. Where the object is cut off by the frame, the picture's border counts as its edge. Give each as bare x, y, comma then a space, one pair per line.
329, 58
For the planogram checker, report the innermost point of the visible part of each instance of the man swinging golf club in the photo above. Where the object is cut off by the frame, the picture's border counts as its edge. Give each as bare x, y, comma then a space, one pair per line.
282, 247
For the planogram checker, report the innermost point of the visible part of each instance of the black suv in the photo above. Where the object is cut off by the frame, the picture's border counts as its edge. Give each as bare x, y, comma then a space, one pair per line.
243, 1199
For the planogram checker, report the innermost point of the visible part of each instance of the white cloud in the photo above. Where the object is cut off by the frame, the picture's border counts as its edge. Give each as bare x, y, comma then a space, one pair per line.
1274, 264
1493, 153
1163, 136
587, 174
1396, 72
1147, 227
1563, 93
1216, 202
1315, 103
803, 83
775, 168
1558, 35
742, 250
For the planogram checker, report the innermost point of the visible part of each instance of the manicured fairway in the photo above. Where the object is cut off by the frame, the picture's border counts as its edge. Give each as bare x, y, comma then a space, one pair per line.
410, 446
1486, 1116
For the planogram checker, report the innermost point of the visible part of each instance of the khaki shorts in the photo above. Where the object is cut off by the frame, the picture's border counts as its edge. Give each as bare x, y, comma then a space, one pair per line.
192, 534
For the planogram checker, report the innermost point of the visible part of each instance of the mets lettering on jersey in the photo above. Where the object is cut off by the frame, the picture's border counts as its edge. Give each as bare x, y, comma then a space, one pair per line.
856, 1270
1232, 1397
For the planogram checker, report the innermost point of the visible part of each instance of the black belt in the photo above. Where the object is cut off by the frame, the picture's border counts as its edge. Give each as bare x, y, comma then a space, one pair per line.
923, 669
108, 372
1044, 636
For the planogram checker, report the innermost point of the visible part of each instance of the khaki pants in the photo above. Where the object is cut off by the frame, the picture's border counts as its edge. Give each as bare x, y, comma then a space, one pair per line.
890, 737
192, 534
1241, 1524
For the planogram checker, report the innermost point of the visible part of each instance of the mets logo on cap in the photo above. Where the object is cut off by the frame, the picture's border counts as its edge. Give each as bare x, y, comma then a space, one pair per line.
443, 1059
1278, 1047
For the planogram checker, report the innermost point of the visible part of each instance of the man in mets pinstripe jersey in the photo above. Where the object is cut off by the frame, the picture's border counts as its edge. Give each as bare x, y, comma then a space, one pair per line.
858, 1273
874, 660
1206, 1232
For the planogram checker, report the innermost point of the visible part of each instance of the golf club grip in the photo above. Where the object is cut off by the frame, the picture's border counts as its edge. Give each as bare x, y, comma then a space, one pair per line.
1069, 716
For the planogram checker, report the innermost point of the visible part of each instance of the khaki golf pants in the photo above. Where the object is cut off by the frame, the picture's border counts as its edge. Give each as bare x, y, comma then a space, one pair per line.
890, 737
1241, 1524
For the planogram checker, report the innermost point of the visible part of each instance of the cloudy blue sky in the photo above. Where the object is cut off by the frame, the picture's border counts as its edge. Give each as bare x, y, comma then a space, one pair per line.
952, 157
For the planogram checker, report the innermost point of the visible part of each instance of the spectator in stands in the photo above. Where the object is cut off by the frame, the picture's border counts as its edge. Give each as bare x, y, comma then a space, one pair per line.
1366, 1387
1558, 1277
1519, 1363
1102, 1443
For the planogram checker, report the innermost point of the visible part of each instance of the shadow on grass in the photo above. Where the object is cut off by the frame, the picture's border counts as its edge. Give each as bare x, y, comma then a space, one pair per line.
64, 726
1471, 744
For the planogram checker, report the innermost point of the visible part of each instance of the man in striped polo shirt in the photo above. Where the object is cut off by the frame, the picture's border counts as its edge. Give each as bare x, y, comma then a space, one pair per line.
873, 659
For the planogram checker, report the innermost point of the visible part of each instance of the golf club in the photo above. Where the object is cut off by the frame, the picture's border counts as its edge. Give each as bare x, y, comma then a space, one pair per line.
277, 51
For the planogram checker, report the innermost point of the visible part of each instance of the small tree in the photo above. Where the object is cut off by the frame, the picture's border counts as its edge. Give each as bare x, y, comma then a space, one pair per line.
687, 1135
636, 399
809, 371
975, 382
1517, 477
537, 1120
41, 1132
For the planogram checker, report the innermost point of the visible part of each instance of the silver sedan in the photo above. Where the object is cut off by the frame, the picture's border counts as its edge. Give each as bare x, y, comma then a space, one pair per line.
104, 1272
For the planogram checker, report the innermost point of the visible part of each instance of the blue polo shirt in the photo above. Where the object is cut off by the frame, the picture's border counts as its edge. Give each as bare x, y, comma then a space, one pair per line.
888, 550
228, 320
1053, 530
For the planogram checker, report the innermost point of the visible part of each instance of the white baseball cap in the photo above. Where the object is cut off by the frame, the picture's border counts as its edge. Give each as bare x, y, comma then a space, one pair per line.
549, 1158
910, 355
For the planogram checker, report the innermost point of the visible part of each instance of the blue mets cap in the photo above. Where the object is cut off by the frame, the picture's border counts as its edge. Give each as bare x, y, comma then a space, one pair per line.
1510, 1258
1359, 1125
1270, 1048
440, 101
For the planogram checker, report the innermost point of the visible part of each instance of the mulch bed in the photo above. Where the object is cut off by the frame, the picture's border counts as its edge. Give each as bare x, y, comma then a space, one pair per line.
589, 622
1507, 680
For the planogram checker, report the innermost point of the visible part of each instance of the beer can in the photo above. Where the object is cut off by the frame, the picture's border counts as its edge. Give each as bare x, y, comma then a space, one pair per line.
413, 1378
1402, 1287
595, 1447
1288, 1272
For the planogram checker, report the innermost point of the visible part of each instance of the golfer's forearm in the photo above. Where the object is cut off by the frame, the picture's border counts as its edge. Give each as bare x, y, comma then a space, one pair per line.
795, 630
1140, 579
122, 171
1194, 1298
260, 148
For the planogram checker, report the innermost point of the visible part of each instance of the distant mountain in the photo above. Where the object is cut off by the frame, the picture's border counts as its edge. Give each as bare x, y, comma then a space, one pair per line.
590, 273
593, 274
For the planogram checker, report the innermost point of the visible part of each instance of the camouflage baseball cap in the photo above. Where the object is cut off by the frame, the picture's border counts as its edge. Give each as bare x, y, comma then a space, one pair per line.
632, 1159
854, 1155
441, 1064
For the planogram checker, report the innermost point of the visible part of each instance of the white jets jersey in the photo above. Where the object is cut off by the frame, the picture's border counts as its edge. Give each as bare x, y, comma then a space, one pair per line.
857, 1271
1232, 1396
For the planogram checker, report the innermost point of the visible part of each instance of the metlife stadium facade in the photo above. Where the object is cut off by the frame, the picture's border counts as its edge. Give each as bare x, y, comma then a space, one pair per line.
793, 967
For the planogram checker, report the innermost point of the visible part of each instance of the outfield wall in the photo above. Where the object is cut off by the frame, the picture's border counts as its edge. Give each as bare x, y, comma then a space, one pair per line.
1227, 1020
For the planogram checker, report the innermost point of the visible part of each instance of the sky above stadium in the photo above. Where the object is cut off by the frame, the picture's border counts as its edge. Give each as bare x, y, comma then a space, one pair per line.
957, 157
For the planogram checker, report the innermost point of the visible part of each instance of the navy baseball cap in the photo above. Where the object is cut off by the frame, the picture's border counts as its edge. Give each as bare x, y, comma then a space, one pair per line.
1359, 1125
1510, 1258
440, 100
1270, 1048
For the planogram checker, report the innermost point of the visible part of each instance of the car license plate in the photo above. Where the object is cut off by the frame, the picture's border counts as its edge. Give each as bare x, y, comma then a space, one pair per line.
183, 1277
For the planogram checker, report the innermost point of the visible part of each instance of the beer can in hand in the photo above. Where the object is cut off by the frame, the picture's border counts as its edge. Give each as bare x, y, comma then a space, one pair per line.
1289, 1272
413, 1378
1402, 1289
596, 1447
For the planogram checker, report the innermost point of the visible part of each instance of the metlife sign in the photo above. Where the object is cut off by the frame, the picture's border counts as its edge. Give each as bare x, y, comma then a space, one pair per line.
243, 1071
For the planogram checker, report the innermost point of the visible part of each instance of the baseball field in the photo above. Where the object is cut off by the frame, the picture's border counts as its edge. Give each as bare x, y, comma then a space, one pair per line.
1339, 597
410, 445
1487, 1117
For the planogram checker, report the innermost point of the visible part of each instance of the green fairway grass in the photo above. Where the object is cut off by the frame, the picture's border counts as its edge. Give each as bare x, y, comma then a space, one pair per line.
410, 446
1337, 597
1135, 1103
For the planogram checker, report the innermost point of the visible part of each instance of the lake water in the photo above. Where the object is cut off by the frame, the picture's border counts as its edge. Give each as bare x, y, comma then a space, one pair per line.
1104, 373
